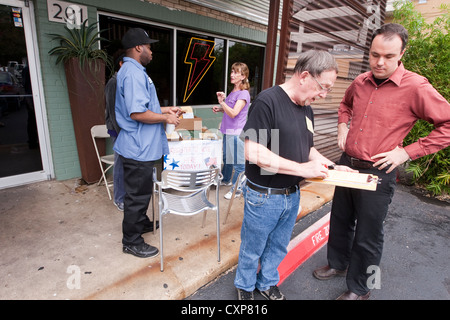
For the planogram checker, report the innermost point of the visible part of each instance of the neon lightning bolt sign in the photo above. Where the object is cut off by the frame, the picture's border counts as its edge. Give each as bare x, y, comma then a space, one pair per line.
199, 57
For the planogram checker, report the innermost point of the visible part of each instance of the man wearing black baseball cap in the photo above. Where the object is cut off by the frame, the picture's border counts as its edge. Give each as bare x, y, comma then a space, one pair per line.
135, 37
141, 140
135, 41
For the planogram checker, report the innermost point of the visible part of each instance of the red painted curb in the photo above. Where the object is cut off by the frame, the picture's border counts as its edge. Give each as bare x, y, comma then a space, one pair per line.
302, 247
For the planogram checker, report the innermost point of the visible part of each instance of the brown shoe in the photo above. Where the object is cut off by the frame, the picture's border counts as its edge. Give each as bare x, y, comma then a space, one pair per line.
327, 273
348, 295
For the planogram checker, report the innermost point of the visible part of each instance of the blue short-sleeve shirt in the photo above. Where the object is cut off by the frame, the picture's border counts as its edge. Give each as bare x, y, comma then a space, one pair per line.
136, 93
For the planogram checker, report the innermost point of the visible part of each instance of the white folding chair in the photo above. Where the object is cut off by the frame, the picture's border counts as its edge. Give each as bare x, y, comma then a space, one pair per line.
195, 185
101, 132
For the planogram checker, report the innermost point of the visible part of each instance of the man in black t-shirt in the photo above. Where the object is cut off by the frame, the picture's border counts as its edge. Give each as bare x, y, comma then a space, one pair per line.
279, 153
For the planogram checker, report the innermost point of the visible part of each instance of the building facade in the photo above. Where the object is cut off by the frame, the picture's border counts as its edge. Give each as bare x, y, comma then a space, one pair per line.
37, 140
47, 149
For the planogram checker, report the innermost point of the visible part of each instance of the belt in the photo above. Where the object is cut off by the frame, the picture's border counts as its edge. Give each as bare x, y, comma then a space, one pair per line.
358, 163
286, 191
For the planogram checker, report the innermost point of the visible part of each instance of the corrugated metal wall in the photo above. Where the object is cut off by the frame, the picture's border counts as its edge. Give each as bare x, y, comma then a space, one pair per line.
344, 28
256, 10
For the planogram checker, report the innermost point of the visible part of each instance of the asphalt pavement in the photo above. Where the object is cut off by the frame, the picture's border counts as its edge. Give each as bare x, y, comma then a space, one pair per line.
414, 265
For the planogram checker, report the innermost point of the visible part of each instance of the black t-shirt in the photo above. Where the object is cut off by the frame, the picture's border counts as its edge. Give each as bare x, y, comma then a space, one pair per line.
279, 124
379, 81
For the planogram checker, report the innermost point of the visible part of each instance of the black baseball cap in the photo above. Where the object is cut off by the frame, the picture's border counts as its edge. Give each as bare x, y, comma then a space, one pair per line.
135, 37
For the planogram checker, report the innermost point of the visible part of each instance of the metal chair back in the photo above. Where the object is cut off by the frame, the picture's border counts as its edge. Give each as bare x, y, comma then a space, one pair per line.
194, 197
188, 181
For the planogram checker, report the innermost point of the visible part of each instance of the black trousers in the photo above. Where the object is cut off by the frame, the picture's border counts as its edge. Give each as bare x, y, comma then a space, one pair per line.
138, 181
356, 228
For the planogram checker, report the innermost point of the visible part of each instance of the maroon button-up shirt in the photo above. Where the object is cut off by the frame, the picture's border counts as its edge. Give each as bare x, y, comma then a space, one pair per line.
381, 116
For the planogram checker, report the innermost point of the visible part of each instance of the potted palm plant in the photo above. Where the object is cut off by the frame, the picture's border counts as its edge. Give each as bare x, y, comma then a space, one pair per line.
84, 65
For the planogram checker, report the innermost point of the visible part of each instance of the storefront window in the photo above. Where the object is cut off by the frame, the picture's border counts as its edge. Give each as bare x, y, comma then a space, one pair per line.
199, 60
200, 72
253, 57
160, 69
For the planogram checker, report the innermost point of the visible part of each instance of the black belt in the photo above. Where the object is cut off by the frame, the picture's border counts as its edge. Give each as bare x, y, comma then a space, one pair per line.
286, 191
358, 163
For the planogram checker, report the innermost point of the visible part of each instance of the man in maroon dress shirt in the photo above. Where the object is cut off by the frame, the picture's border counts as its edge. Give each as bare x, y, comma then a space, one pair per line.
381, 106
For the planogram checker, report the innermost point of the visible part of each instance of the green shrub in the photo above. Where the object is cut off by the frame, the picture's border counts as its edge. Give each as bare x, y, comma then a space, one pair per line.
428, 54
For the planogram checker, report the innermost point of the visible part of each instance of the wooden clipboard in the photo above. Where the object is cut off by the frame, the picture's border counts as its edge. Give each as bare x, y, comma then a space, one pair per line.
349, 179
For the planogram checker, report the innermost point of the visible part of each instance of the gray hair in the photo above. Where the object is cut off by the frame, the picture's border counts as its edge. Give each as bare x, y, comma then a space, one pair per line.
315, 62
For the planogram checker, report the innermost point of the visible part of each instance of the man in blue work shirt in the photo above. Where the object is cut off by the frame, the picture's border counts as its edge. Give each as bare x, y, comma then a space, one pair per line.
141, 140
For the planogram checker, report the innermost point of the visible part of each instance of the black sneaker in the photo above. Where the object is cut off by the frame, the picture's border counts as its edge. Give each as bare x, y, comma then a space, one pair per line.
273, 293
143, 250
245, 295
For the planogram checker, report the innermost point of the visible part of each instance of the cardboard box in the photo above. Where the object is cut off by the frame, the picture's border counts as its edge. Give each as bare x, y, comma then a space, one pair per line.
190, 124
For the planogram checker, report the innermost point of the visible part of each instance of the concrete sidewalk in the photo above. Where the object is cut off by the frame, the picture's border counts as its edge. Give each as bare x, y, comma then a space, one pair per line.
60, 240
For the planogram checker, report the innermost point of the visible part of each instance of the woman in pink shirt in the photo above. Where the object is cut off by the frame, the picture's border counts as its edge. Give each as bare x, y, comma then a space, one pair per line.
234, 108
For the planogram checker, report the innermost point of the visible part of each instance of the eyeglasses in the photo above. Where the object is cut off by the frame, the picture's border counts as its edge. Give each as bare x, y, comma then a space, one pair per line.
328, 90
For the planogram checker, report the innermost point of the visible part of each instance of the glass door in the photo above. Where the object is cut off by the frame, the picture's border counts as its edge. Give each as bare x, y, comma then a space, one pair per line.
23, 147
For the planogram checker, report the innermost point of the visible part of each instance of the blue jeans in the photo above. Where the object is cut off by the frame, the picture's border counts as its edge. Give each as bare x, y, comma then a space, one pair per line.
266, 231
233, 157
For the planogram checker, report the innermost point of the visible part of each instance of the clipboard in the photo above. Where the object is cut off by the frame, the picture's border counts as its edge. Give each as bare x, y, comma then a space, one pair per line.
356, 180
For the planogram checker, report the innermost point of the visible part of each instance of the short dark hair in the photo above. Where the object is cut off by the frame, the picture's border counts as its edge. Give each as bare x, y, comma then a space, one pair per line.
389, 30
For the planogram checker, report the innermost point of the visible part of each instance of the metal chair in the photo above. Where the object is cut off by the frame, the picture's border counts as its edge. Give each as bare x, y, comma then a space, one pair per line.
195, 185
101, 132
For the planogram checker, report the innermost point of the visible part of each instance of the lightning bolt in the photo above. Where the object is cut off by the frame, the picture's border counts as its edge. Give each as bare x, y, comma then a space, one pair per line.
199, 57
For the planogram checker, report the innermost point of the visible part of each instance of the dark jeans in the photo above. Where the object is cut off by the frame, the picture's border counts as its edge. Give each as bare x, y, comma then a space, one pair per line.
356, 228
119, 188
138, 182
